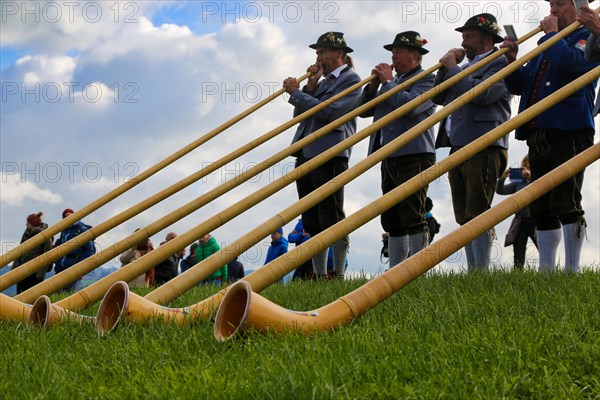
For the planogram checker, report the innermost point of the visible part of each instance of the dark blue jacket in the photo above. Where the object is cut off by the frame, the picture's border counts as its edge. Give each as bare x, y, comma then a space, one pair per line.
277, 248
187, 263
567, 63
235, 270
297, 238
76, 255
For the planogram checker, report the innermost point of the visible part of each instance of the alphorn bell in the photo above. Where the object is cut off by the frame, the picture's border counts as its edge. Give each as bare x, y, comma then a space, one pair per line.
118, 299
39, 313
242, 310
43, 314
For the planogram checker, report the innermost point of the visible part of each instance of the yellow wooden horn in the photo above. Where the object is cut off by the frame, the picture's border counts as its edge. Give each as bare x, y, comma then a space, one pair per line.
242, 310
119, 303
13, 310
43, 314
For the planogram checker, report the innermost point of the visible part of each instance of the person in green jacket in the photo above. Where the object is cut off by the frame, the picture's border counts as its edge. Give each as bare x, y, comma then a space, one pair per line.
207, 246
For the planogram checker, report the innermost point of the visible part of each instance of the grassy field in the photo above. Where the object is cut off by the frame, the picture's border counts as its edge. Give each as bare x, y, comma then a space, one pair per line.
479, 336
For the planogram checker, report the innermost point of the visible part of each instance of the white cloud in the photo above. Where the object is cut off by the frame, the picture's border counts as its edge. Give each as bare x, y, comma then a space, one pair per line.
17, 193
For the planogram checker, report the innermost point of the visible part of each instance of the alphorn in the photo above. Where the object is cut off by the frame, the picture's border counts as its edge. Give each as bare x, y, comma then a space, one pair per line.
16, 311
241, 310
107, 316
13, 310
48, 233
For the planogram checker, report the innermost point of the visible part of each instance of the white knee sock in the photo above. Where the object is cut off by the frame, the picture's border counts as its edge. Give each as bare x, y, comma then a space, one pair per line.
547, 245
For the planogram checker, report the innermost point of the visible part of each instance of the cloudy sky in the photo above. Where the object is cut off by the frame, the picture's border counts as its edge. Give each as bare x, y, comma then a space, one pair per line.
95, 92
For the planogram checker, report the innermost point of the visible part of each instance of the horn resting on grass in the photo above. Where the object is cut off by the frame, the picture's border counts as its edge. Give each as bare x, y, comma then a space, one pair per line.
118, 300
43, 314
242, 310
13, 310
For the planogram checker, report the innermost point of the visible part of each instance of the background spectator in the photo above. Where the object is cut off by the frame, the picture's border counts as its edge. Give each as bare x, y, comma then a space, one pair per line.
133, 254
190, 260
33, 226
207, 246
235, 270
522, 226
167, 269
299, 236
86, 250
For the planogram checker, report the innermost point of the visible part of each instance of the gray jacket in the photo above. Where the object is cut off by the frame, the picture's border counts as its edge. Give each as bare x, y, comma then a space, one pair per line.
482, 114
423, 143
592, 54
303, 101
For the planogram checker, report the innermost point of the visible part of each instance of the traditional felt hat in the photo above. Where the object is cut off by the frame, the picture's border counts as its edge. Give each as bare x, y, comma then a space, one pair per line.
486, 23
410, 39
67, 210
332, 40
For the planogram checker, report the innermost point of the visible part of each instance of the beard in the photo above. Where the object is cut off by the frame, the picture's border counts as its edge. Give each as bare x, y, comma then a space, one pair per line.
470, 54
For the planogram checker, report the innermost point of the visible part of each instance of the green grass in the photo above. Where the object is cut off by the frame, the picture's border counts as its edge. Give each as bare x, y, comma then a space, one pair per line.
480, 336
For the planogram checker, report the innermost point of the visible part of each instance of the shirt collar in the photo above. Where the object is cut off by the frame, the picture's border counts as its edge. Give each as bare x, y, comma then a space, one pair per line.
479, 57
336, 72
409, 73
